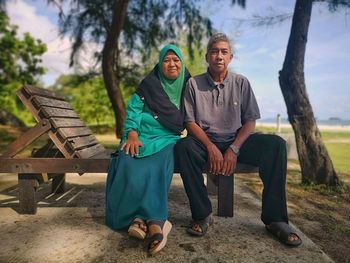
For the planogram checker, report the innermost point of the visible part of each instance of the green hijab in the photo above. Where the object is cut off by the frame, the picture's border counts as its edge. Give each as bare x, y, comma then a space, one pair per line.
172, 87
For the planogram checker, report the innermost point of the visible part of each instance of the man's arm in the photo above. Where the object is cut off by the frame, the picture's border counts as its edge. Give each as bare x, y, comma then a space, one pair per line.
230, 158
244, 133
215, 158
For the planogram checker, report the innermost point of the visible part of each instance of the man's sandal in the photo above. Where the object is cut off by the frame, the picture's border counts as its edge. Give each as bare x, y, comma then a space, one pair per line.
158, 240
203, 225
135, 229
282, 231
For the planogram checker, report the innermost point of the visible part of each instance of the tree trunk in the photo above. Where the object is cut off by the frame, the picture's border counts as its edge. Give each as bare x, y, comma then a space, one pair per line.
316, 166
110, 67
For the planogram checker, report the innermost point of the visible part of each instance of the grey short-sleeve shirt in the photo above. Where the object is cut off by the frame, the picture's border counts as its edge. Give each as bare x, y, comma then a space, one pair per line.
220, 109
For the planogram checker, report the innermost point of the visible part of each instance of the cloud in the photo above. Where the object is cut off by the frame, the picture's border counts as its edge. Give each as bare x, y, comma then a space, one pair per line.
57, 58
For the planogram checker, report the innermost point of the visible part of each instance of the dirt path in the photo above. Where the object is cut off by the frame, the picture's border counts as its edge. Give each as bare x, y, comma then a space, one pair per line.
71, 229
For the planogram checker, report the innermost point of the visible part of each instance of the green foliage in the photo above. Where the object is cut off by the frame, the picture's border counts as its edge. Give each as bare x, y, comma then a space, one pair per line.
196, 65
19, 64
335, 5
10, 102
19, 58
147, 24
87, 96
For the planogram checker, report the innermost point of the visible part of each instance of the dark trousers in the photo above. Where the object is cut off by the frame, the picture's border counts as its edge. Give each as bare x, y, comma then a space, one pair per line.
266, 151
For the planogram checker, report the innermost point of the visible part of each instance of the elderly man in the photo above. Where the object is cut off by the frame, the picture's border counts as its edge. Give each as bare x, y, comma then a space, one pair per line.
221, 111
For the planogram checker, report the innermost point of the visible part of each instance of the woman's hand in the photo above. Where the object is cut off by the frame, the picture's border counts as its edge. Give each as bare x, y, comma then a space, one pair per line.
132, 144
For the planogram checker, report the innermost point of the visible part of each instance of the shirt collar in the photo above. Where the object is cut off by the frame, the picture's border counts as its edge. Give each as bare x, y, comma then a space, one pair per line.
212, 82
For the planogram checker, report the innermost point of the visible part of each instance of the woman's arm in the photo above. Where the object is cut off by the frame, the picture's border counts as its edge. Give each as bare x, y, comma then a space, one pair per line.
132, 126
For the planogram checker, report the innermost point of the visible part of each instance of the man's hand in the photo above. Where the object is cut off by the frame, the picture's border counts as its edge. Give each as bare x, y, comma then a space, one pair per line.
215, 159
229, 163
132, 144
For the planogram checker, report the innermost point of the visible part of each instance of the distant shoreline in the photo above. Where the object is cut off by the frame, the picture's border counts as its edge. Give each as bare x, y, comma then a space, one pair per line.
322, 127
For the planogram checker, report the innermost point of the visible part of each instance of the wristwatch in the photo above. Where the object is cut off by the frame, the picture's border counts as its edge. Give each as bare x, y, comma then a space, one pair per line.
235, 149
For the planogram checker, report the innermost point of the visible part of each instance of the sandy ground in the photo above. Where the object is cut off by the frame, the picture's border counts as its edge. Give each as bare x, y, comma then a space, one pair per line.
70, 228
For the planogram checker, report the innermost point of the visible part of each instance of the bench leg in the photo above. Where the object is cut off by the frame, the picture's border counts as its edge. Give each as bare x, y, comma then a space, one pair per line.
58, 183
27, 184
212, 184
225, 196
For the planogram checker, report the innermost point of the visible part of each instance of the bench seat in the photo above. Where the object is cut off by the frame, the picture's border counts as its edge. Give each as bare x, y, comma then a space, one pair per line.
72, 148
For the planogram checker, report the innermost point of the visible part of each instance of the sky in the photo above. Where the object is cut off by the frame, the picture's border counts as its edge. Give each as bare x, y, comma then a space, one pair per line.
258, 51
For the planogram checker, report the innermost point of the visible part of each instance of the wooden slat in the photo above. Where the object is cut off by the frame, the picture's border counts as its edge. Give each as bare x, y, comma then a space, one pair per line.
48, 112
106, 154
89, 152
225, 196
39, 101
78, 143
27, 188
27, 138
59, 142
66, 133
25, 98
66, 122
54, 165
30, 90
212, 184
246, 168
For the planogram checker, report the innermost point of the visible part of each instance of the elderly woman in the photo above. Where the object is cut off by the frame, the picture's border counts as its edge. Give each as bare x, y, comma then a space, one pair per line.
139, 177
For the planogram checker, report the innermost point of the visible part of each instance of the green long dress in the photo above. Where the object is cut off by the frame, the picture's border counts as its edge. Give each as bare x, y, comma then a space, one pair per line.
138, 186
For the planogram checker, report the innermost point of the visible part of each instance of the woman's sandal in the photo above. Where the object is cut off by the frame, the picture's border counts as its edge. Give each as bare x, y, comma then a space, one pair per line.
160, 238
203, 225
135, 229
282, 231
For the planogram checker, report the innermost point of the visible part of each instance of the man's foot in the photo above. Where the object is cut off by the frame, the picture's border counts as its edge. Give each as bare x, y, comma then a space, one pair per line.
285, 233
138, 229
158, 231
200, 227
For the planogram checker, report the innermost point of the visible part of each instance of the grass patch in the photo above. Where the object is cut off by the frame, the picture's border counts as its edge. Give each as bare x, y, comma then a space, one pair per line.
333, 135
324, 189
340, 228
268, 129
339, 153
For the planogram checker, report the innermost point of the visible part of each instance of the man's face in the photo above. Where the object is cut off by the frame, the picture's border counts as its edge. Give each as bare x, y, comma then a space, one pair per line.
218, 57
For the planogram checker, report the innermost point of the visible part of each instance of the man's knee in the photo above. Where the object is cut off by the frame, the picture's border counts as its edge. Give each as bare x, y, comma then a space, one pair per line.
276, 140
270, 143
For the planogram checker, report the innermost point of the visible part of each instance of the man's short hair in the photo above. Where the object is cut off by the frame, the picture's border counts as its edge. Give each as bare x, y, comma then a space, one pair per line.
218, 37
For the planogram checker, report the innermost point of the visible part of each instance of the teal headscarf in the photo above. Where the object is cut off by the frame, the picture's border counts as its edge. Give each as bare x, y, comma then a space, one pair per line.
173, 88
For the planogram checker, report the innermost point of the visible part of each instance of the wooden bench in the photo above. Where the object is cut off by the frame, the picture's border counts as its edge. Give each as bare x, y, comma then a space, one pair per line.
72, 148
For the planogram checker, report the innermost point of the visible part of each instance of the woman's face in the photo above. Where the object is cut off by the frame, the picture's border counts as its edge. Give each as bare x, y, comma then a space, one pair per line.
171, 65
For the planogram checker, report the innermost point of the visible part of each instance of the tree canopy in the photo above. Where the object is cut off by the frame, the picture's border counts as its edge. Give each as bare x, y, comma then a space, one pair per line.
147, 24
20, 63
19, 58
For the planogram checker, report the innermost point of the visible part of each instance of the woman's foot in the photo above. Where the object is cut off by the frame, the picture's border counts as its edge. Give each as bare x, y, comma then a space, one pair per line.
138, 229
158, 231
